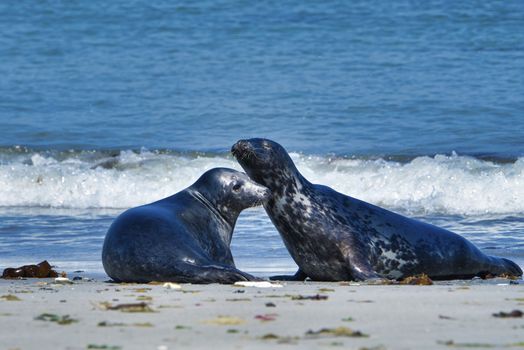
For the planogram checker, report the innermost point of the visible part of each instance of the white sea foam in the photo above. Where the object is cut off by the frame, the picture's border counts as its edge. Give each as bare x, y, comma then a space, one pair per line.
441, 184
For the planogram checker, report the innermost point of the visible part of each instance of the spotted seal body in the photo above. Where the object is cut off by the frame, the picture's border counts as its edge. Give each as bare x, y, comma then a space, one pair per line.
185, 237
334, 237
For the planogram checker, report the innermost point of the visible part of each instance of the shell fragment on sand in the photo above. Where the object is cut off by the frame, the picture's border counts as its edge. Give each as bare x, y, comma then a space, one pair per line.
226, 321
170, 285
63, 280
263, 284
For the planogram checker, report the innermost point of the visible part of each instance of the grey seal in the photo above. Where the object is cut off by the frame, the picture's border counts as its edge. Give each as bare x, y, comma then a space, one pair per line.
185, 237
334, 237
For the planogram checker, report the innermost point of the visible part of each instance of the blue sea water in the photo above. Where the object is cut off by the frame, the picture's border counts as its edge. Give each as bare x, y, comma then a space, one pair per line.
416, 106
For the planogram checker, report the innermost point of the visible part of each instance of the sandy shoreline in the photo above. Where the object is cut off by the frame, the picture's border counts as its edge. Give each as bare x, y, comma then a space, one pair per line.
446, 315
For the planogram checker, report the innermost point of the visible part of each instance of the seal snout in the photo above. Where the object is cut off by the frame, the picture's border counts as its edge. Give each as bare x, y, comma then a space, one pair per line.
240, 148
266, 194
262, 196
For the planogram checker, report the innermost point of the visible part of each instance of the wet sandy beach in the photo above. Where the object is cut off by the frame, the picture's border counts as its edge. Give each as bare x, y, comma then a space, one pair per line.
93, 314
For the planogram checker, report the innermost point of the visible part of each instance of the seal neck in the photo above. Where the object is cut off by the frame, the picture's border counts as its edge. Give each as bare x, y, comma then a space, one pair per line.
301, 180
297, 181
204, 201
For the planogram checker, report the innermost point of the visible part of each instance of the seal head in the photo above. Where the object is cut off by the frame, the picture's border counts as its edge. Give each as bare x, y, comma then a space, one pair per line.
267, 163
228, 192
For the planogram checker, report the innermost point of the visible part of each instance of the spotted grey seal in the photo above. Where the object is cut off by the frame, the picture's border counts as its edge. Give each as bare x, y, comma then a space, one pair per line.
185, 237
334, 237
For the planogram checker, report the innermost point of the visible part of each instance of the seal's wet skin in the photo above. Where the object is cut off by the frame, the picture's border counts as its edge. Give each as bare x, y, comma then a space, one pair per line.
185, 237
335, 237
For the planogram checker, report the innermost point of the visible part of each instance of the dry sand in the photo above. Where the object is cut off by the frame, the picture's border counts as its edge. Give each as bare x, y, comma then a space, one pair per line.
353, 316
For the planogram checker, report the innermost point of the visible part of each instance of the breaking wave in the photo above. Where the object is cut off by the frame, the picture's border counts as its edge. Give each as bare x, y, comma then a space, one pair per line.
447, 184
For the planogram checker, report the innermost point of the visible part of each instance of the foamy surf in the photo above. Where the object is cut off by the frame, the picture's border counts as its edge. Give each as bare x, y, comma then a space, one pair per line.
440, 184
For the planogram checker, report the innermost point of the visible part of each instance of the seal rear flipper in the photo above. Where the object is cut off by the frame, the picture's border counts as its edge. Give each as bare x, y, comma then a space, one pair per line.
298, 276
513, 268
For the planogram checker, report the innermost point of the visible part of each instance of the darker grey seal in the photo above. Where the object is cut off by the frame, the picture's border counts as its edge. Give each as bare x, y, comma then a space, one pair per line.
334, 237
186, 237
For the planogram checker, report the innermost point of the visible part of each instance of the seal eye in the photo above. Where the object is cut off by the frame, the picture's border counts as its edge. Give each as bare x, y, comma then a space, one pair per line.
236, 188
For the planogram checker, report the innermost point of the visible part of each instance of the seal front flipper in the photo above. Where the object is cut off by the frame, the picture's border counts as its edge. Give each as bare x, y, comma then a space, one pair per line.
189, 273
298, 276
362, 271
